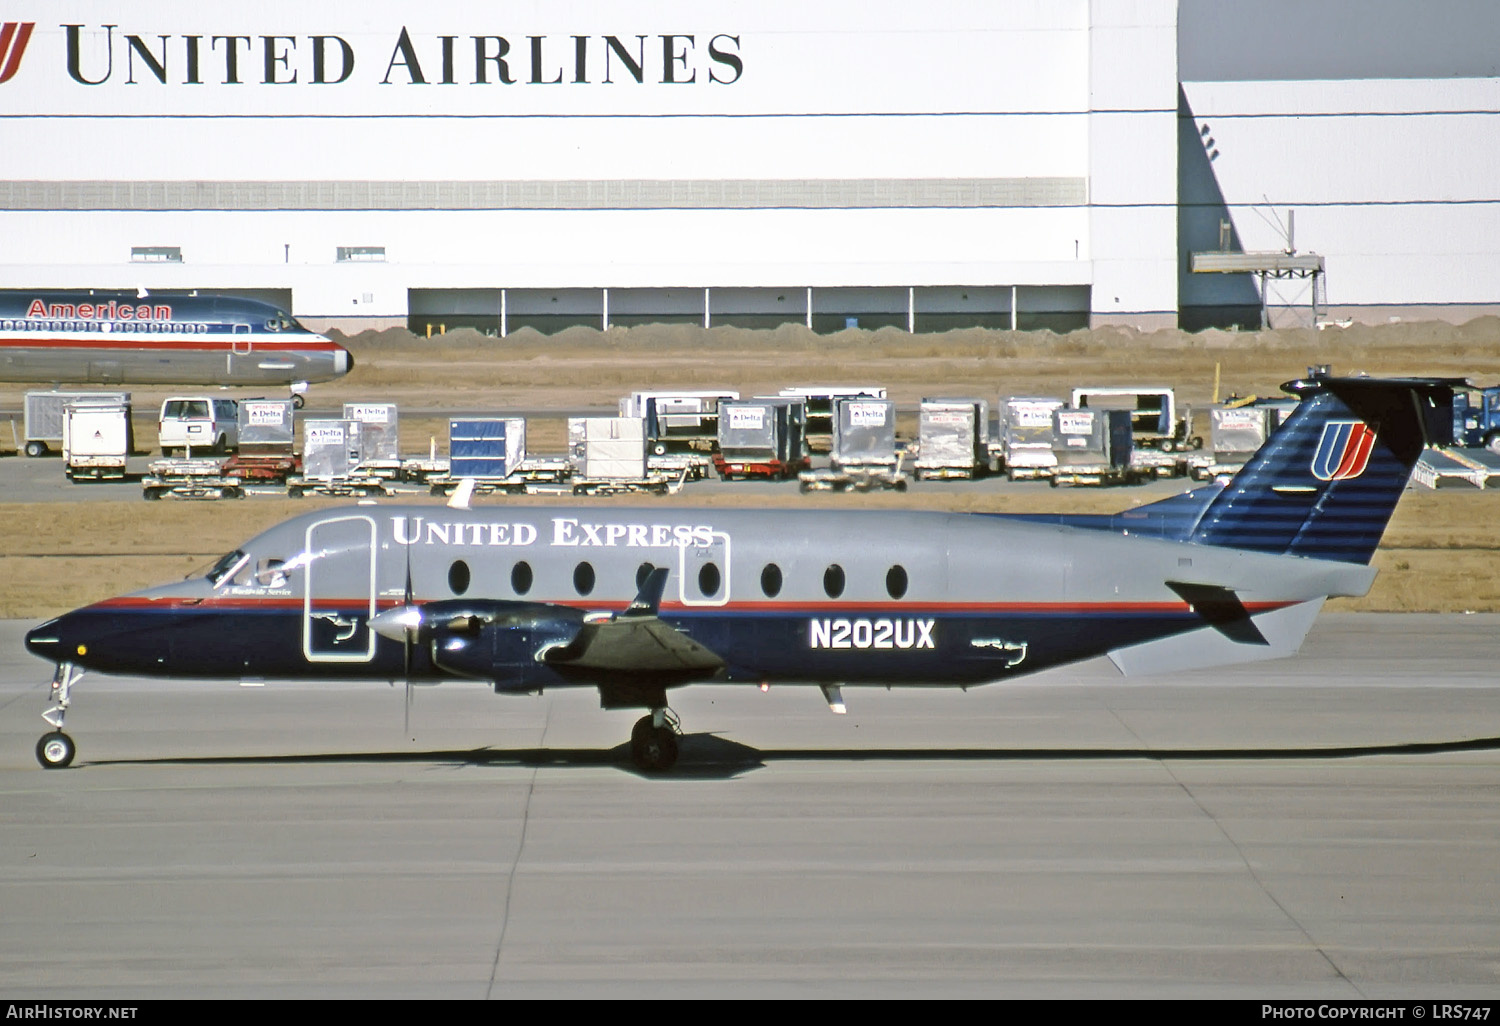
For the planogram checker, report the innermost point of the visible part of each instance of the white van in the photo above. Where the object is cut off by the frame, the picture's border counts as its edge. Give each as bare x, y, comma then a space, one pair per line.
200, 423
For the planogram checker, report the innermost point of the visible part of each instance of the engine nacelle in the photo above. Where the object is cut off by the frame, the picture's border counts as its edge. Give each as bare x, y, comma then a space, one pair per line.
499, 641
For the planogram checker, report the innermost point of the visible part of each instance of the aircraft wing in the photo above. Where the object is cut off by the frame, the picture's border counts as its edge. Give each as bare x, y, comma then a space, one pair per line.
636, 641
633, 645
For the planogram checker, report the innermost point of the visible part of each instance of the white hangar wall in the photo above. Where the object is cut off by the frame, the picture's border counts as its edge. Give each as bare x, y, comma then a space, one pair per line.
889, 153
1391, 180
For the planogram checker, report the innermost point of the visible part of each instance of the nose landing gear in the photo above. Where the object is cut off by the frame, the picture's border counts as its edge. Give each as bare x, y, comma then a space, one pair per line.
55, 750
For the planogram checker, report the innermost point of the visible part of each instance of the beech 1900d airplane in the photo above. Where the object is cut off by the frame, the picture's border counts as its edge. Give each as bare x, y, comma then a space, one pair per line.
634, 602
160, 339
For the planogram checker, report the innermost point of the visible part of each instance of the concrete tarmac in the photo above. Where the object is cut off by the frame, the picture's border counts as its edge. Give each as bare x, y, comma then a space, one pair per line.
1323, 827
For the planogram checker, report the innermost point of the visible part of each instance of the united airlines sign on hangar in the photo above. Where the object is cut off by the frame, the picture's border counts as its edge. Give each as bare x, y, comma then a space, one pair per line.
131, 59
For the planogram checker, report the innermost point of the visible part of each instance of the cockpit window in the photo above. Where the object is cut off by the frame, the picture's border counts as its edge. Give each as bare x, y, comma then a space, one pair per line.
227, 567
271, 573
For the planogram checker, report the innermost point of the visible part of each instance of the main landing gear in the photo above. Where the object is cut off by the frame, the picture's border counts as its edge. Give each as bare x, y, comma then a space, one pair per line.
55, 750
653, 742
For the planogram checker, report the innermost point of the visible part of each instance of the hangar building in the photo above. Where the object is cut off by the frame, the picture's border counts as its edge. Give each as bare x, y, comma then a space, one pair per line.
1002, 163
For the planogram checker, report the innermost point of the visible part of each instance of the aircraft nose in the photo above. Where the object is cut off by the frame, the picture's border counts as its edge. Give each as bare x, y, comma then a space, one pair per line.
45, 640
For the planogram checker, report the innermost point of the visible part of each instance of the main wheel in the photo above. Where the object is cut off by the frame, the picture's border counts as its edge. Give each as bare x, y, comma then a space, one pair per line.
35, 449
652, 748
55, 750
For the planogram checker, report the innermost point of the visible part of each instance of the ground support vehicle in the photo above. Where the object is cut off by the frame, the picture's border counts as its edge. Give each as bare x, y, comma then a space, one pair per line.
530, 475
953, 439
266, 469
1235, 433
652, 484
1476, 417
1023, 448
330, 462
1093, 447
677, 421
1478, 467
1154, 419
379, 447
764, 437
352, 485
198, 423
1155, 463
96, 440
191, 478
819, 402
692, 466
42, 419
267, 439
852, 479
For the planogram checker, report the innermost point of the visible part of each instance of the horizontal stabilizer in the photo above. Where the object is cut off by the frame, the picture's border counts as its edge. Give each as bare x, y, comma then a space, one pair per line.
1282, 631
1222, 609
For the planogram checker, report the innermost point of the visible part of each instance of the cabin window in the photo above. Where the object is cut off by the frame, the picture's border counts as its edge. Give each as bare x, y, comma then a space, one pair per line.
521, 577
770, 580
641, 573
896, 582
583, 578
709, 580
833, 581
458, 577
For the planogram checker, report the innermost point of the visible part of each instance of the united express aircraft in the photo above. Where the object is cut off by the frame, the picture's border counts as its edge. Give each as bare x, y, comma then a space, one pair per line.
160, 339
635, 602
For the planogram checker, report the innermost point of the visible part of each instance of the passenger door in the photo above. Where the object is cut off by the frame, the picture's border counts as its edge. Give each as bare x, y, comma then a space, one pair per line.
339, 591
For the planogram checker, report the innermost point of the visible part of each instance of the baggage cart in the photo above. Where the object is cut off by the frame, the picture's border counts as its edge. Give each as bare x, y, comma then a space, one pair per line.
1025, 436
187, 477
42, 419
379, 452
267, 431
1093, 447
330, 462
1235, 433
607, 448
864, 434
953, 438
762, 438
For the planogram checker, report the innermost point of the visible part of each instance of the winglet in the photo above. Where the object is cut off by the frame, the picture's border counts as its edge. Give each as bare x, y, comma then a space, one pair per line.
462, 494
648, 600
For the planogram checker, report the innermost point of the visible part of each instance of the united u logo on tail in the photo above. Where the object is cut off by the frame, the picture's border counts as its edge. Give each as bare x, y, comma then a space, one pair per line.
1344, 450
14, 35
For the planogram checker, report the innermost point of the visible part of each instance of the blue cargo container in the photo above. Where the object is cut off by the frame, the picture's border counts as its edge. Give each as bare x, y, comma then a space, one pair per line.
486, 449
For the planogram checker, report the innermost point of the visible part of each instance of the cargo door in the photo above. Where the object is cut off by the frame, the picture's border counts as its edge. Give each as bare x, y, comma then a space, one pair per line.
339, 591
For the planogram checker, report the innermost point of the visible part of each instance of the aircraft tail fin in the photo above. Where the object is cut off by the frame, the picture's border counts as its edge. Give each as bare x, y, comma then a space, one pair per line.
1325, 483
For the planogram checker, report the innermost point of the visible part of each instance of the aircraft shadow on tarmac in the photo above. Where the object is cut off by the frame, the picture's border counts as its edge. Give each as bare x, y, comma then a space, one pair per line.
709, 757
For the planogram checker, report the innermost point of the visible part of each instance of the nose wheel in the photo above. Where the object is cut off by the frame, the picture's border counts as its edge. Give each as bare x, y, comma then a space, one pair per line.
653, 741
55, 750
